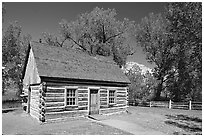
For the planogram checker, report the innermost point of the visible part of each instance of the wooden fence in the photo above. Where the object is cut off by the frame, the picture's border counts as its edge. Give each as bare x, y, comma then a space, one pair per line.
190, 105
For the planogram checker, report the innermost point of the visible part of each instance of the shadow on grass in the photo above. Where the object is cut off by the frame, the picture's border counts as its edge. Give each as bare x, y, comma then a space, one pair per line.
192, 124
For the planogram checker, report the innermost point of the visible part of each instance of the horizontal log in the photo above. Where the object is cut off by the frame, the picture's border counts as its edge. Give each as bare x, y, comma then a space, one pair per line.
82, 87
121, 92
122, 89
196, 105
54, 99
103, 106
103, 88
60, 109
54, 109
64, 114
120, 95
82, 91
103, 91
54, 104
83, 108
121, 98
103, 103
82, 95
103, 95
49, 90
121, 102
82, 99
82, 103
121, 105
54, 94
55, 87
103, 99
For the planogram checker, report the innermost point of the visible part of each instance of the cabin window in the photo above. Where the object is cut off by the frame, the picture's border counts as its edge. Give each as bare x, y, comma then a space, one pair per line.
71, 97
112, 96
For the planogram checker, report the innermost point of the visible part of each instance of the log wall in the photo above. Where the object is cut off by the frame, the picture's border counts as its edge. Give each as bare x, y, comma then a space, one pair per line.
103, 98
34, 102
49, 101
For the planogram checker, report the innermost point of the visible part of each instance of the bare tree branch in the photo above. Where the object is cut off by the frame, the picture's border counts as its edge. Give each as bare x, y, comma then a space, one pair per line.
77, 44
113, 36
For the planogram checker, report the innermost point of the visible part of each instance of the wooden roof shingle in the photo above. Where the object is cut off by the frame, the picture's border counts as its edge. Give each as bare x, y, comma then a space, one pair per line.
58, 62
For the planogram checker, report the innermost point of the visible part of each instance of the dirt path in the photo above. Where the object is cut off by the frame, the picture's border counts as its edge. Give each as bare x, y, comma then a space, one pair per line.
131, 127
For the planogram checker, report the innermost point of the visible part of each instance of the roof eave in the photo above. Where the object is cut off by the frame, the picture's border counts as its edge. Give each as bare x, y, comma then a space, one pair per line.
83, 81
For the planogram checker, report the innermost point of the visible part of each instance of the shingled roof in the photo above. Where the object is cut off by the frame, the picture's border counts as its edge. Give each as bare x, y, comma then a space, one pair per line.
58, 62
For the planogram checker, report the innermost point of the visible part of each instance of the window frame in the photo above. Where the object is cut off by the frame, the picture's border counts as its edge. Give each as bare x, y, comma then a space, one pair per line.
66, 96
114, 96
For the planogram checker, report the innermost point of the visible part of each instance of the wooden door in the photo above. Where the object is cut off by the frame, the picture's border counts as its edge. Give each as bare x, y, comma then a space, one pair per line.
93, 102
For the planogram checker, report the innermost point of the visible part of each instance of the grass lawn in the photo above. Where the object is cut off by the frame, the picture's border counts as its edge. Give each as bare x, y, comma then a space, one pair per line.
167, 121
20, 123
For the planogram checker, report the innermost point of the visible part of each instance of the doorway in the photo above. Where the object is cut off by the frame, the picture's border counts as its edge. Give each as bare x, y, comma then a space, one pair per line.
94, 102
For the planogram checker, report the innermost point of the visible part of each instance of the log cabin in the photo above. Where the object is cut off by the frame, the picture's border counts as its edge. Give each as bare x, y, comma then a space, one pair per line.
60, 83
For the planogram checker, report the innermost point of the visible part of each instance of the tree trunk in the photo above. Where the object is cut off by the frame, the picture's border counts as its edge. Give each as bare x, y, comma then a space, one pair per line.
159, 90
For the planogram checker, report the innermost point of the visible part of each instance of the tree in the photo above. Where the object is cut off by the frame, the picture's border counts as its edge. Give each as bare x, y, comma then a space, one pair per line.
142, 85
13, 55
153, 36
185, 28
97, 32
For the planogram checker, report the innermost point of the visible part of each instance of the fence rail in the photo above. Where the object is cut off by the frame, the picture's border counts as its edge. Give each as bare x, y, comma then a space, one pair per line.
191, 105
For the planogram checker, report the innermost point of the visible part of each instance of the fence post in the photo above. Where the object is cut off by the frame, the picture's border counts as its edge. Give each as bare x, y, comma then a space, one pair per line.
170, 104
190, 105
150, 104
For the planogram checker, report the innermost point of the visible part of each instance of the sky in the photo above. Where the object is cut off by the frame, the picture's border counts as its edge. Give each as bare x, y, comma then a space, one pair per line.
38, 17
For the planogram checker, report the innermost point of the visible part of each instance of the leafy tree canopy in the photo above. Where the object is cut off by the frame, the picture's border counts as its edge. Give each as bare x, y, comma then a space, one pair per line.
98, 32
13, 55
185, 28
